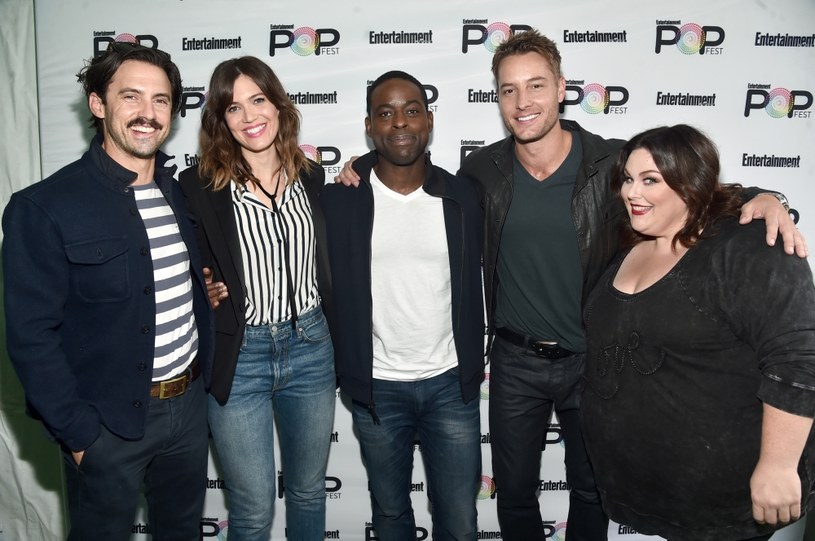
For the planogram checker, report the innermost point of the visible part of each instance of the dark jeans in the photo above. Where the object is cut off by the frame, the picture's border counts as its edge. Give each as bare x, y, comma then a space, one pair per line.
449, 431
170, 460
524, 388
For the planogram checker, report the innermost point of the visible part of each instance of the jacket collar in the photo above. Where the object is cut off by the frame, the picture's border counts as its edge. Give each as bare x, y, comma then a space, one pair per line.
120, 177
432, 185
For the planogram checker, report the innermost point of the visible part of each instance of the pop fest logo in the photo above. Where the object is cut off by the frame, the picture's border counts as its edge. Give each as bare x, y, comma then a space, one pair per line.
321, 154
690, 38
489, 36
778, 102
214, 530
487, 488
595, 98
304, 41
102, 42
192, 99
485, 385
555, 532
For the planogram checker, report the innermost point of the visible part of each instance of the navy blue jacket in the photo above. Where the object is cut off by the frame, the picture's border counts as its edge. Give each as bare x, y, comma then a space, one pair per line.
349, 223
79, 297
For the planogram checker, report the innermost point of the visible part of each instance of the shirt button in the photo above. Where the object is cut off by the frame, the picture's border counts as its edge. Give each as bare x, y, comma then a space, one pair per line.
144, 251
145, 329
148, 290
136, 403
141, 367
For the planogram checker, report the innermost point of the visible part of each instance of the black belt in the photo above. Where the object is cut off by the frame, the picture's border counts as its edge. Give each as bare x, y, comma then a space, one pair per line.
541, 348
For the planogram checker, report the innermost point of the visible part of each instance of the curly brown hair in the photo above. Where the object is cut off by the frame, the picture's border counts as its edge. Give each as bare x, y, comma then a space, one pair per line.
689, 163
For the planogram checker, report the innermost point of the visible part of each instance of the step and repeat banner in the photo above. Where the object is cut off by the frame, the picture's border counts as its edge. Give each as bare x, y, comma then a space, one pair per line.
742, 72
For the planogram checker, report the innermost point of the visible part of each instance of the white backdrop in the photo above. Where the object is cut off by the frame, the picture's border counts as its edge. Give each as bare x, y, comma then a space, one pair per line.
740, 70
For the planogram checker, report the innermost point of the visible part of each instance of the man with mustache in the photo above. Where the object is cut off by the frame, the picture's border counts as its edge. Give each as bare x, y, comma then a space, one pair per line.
408, 331
108, 320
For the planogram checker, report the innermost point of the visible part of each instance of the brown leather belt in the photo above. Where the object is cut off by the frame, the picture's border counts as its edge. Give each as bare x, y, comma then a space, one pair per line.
170, 388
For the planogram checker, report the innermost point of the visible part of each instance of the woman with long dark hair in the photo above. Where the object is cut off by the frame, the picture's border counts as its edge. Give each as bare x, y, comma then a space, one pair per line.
261, 231
700, 373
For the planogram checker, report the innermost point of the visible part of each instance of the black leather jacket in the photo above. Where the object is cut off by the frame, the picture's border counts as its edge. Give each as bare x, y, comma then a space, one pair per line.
595, 209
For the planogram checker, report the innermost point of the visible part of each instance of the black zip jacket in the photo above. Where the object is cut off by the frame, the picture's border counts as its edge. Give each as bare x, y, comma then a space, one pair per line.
349, 216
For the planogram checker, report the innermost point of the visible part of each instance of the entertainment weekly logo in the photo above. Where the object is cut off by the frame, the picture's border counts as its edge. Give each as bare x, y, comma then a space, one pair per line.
327, 156
303, 41
778, 102
689, 38
490, 35
595, 98
103, 38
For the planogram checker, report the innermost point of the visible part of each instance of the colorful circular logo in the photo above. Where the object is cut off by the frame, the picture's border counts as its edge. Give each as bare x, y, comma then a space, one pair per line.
312, 153
485, 387
223, 526
126, 38
305, 41
595, 98
560, 532
497, 33
487, 488
691, 38
779, 102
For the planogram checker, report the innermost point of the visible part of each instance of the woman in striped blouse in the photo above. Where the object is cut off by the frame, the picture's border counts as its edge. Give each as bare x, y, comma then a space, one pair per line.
255, 198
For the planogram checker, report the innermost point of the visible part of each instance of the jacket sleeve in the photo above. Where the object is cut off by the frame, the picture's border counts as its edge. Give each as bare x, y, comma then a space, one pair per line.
192, 188
36, 289
768, 299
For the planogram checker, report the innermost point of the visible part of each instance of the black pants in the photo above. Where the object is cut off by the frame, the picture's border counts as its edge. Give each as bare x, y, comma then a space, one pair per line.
524, 389
170, 461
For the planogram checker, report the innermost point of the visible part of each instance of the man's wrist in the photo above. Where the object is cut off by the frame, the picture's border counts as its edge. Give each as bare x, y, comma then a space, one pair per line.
781, 199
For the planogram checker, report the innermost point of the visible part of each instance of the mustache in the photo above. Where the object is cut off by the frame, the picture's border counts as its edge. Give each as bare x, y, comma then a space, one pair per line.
143, 121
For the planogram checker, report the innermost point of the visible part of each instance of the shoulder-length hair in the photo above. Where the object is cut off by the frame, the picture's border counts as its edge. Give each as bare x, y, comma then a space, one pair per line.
221, 156
689, 163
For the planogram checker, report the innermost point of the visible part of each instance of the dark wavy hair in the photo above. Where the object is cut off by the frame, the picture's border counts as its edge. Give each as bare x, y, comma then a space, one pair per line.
689, 163
221, 156
95, 77
529, 41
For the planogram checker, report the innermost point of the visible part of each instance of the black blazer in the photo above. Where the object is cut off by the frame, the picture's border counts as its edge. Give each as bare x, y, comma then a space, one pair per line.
217, 235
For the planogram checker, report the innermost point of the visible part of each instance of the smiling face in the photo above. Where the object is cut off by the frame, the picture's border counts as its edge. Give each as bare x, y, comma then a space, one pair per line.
654, 208
251, 117
529, 96
136, 112
399, 124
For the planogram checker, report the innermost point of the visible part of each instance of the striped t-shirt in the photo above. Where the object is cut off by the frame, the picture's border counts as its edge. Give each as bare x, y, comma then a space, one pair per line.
176, 335
263, 238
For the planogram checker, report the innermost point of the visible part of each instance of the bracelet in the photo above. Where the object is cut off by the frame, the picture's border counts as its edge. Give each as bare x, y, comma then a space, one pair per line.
781, 199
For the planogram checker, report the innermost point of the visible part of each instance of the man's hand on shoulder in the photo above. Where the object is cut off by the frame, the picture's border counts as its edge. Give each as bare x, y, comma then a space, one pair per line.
767, 207
348, 176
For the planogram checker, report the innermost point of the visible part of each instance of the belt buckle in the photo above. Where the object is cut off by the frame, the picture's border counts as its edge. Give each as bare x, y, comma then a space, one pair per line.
182, 379
543, 348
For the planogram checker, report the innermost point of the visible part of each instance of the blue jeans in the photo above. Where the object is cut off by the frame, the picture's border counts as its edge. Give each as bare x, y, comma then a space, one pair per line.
285, 376
524, 388
449, 431
170, 461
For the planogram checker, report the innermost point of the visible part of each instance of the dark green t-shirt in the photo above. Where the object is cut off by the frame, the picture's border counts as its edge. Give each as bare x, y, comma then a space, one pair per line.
539, 274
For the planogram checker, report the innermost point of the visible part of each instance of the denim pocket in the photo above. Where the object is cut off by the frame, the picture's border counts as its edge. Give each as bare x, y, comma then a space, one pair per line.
315, 331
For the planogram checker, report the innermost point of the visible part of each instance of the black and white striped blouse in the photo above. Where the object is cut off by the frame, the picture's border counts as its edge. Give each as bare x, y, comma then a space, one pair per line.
263, 235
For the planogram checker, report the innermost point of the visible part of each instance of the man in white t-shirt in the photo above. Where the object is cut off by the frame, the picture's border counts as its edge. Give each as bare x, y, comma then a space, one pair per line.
405, 254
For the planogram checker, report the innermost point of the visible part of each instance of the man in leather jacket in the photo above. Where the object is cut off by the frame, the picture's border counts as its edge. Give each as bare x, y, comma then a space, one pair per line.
551, 229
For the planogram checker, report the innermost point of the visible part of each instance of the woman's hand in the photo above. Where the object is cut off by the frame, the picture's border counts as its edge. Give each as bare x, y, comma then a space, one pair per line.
776, 493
